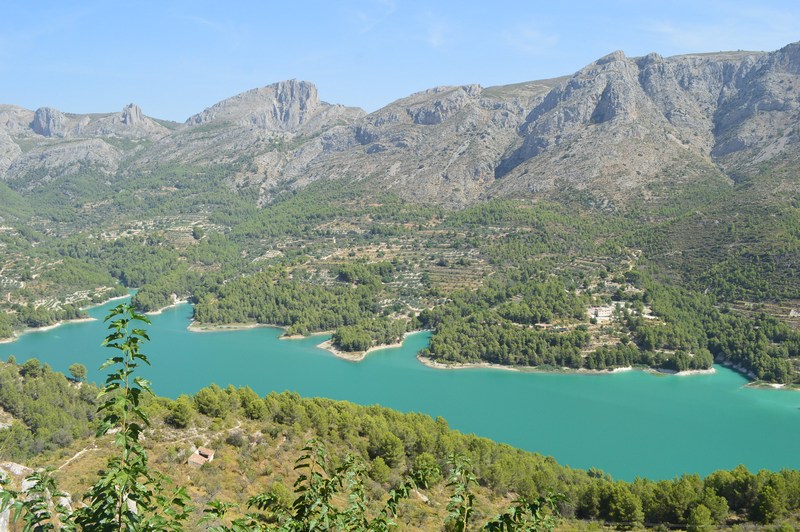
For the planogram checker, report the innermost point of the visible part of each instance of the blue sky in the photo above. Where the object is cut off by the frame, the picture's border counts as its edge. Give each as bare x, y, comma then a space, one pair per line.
177, 57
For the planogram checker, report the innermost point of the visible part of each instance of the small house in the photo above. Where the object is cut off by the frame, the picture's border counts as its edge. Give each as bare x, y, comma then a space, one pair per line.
201, 456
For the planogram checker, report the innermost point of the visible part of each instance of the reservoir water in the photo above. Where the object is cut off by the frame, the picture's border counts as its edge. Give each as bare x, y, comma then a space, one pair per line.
628, 424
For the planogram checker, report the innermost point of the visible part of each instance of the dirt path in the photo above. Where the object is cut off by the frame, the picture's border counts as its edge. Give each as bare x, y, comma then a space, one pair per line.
76, 456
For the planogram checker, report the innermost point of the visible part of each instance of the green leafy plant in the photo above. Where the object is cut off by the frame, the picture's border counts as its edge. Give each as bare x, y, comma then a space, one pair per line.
128, 495
42, 507
460, 480
316, 487
539, 515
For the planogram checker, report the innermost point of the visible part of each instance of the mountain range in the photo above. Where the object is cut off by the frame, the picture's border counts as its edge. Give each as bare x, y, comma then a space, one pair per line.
622, 129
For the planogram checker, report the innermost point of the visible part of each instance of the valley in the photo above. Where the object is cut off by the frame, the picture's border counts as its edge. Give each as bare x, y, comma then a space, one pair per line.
641, 213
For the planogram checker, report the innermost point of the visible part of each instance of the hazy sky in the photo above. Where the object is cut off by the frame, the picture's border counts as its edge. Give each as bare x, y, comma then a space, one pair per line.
176, 57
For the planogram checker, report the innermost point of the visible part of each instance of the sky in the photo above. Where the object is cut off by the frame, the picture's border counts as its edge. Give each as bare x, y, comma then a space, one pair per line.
176, 57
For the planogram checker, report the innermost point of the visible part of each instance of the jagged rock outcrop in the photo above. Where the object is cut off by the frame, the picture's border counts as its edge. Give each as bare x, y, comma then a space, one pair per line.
272, 120
132, 115
130, 123
15, 120
628, 124
49, 122
58, 144
625, 129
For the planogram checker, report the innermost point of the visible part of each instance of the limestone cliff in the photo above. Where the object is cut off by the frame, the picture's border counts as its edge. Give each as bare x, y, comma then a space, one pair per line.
622, 128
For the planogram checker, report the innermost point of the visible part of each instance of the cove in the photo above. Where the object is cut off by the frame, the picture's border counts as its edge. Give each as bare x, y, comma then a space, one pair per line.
628, 424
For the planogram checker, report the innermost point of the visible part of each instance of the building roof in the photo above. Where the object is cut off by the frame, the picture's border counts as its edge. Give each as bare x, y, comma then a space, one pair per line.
196, 460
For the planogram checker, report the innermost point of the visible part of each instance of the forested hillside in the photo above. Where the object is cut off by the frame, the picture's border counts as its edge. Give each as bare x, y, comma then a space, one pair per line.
550, 285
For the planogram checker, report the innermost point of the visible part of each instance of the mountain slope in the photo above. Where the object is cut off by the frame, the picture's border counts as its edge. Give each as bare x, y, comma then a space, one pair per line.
623, 129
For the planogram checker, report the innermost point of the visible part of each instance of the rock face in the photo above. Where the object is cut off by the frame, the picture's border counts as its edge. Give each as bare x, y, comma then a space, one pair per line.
58, 144
132, 115
623, 129
265, 120
443, 143
288, 106
49, 122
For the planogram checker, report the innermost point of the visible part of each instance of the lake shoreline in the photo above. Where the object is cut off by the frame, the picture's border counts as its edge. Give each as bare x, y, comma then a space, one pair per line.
327, 345
27, 330
582, 371
109, 300
196, 327
356, 356
172, 305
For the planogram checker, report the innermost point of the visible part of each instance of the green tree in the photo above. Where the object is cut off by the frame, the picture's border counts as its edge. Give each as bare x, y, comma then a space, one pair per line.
78, 372
700, 519
379, 471
717, 505
622, 506
252, 405
211, 401
181, 412
770, 505
31, 368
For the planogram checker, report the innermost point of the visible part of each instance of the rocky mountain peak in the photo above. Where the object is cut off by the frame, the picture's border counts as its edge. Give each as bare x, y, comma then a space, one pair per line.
787, 59
49, 122
132, 115
282, 106
617, 55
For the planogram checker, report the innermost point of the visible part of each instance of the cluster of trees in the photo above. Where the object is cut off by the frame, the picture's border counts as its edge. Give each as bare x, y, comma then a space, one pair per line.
692, 322
31, 316
543, 302
272, 298
134, 260
689, 501
369, 333
495, 324
49, 411
71, 275
372, 274
6, 325
485, 337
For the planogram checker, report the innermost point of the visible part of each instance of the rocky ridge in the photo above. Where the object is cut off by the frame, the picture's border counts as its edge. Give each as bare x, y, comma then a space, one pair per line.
619, 128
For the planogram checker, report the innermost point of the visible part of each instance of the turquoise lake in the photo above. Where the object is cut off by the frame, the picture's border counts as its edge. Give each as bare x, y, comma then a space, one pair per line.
627, 424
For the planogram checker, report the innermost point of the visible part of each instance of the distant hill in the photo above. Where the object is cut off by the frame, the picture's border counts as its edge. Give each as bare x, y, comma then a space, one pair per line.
621, 129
